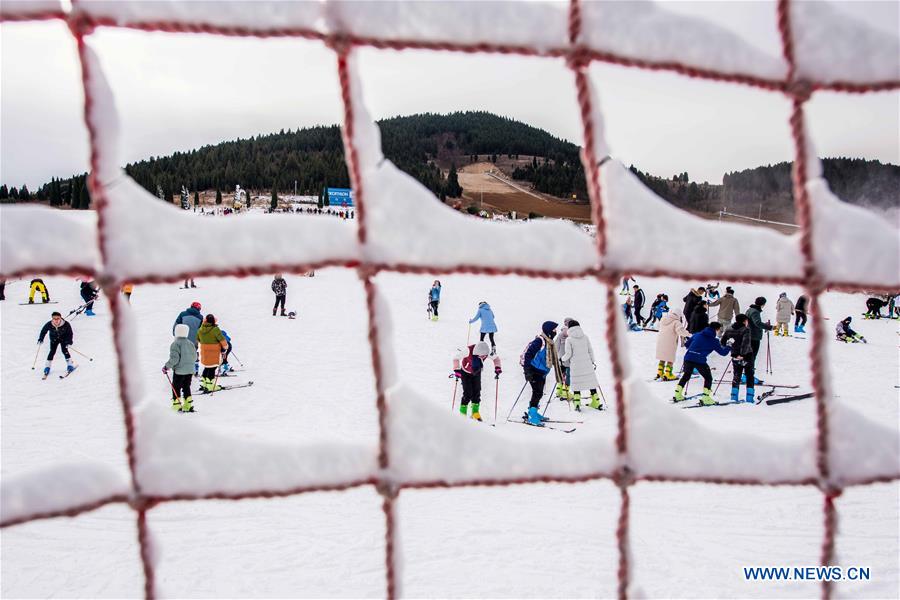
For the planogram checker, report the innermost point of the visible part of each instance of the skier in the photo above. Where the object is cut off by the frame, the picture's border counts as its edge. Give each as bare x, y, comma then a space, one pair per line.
488, 326
712, 292
127, 289
700, 346
784, 308
693, 298
89, 293
467, 368
537, 360
846, 334
61, 336
580, 357
212, 346
874, 308
37, 285
639, 300
728, 306
563, 391
629, 315
279, 286
434, 299
182, 355
754, 322
189, 281
671, 332
739, 337
699, 319
625, 280
225, 366
659, 307
800, 312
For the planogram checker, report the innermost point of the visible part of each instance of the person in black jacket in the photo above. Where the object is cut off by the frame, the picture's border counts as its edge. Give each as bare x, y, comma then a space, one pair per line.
738, 338
279, 286
699, 319
639, 300
873, 308
61, 337
89, 293
800, 312
691, 301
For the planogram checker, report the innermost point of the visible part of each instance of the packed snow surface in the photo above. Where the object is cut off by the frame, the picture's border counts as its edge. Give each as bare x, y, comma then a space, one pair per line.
310, 419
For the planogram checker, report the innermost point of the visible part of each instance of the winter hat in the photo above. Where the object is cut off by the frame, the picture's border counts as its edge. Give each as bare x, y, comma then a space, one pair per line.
782, 295
181, 330
481, 349
760, 301
574, 323
548, 327
848, 319
568, 321
196, 305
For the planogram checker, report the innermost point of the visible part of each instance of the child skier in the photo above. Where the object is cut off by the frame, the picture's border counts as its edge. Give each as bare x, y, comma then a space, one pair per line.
671, 332
434, 299
580, 357
659, 307
279, 286
488, 326
846, 334
61, 336
225, 366
89, 293
127, 289
741, 351
700, 346
37, 285
800, 311
182, 355
629, 318
467, 368
537, 360
784, 309
212, 345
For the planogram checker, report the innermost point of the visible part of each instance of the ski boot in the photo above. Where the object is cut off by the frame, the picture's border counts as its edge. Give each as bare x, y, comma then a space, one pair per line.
274, 312
46, 372
576, 401
225, 368
561, 392
89, 313
31, 301
464, 410
751, 393
493, 350
660, 369
188, 405
595, 401
668, 375
176, 404
70, 367
706, 399
475, 414
735, 394
534, 417
679, 394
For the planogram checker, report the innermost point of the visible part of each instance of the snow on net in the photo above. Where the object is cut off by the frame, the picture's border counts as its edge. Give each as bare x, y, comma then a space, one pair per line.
821, 50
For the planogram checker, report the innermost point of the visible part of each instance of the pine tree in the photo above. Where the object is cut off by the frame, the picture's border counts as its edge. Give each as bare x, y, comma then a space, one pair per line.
196, 199
4, 192
321, 201
54, 192
453, 188
24, 194
14, 193
274, 204
84, 202
218, 195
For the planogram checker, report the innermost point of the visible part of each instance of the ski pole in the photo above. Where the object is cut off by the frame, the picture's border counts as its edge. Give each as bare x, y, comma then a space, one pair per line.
524, 385
496, 396
36, 353
453, 401
724, 373
171, 385
74, 349
215, 381
236, 358
768, 353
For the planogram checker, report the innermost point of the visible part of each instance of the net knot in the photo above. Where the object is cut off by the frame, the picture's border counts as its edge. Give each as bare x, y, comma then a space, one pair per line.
624, 477
142, 503
81, 24
340, 43
800, 89
387, 488
578, 58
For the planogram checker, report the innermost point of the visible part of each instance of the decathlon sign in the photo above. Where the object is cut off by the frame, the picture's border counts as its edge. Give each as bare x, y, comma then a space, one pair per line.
340, 197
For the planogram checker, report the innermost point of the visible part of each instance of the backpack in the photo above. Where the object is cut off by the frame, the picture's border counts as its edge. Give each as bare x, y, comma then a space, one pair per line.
539, 361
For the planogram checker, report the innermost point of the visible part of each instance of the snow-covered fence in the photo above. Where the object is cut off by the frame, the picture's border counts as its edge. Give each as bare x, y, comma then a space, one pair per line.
821, 51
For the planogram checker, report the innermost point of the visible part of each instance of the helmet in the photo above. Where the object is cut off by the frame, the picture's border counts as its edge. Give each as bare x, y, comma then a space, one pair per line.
481, 349
196, 305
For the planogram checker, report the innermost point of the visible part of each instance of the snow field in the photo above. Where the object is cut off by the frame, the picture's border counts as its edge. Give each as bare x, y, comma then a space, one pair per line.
314, 386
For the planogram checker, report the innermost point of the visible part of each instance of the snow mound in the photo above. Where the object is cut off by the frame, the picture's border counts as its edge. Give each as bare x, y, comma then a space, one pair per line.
67, 240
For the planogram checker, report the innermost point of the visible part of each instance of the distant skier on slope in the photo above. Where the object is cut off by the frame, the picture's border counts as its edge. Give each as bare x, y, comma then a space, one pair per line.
728, 307
659, 307
784, 310
89, 292
488, 325
279, 286
671, 333
639, 300
537, 360
800, 312
741, 351
37, 285
846, 334
700, 346
624, 291
467, 367
61, 336
580, 356
434, 299
212, 346
873, 308
182, 355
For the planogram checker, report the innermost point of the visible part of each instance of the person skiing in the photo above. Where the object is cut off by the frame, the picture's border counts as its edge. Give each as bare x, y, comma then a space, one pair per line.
488, 326
61, 336
279, 286
225, 366
700, 346
434, 299
127, 289
728, 306
625, 280
193, 318
189, 281
182, 355
579, 355
712, 292
537, 360
89, 292
639, 300
784, 309
693, 298
659, 307
738, 337
563, 391
671, 333
873, 306
699, 319
629, 314
756, 325
467, 367
37, 285
846, 334
800, 312
212, 346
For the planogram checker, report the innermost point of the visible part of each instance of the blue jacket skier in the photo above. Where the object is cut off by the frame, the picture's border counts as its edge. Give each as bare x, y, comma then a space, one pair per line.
434, 299
537, 360
488, 326
193, 319
700, 346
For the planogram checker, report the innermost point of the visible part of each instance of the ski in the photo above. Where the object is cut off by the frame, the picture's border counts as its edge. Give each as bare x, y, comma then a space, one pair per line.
784, 399
67, 373
709, 405
43, 377
543, 420
542, 426
227, 387
778, 385
37, 303
648, 329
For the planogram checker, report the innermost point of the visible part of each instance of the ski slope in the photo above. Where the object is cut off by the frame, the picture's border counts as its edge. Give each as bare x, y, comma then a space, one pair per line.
313, 384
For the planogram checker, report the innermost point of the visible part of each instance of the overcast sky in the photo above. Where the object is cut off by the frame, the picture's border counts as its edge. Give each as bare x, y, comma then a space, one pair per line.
179, 92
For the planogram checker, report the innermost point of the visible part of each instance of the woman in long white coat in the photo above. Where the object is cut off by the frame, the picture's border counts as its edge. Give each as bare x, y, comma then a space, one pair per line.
580, 356
671, 331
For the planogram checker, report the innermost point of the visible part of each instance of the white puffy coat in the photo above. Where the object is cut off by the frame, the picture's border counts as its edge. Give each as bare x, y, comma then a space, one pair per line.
580, 356
784, 308
670, 331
